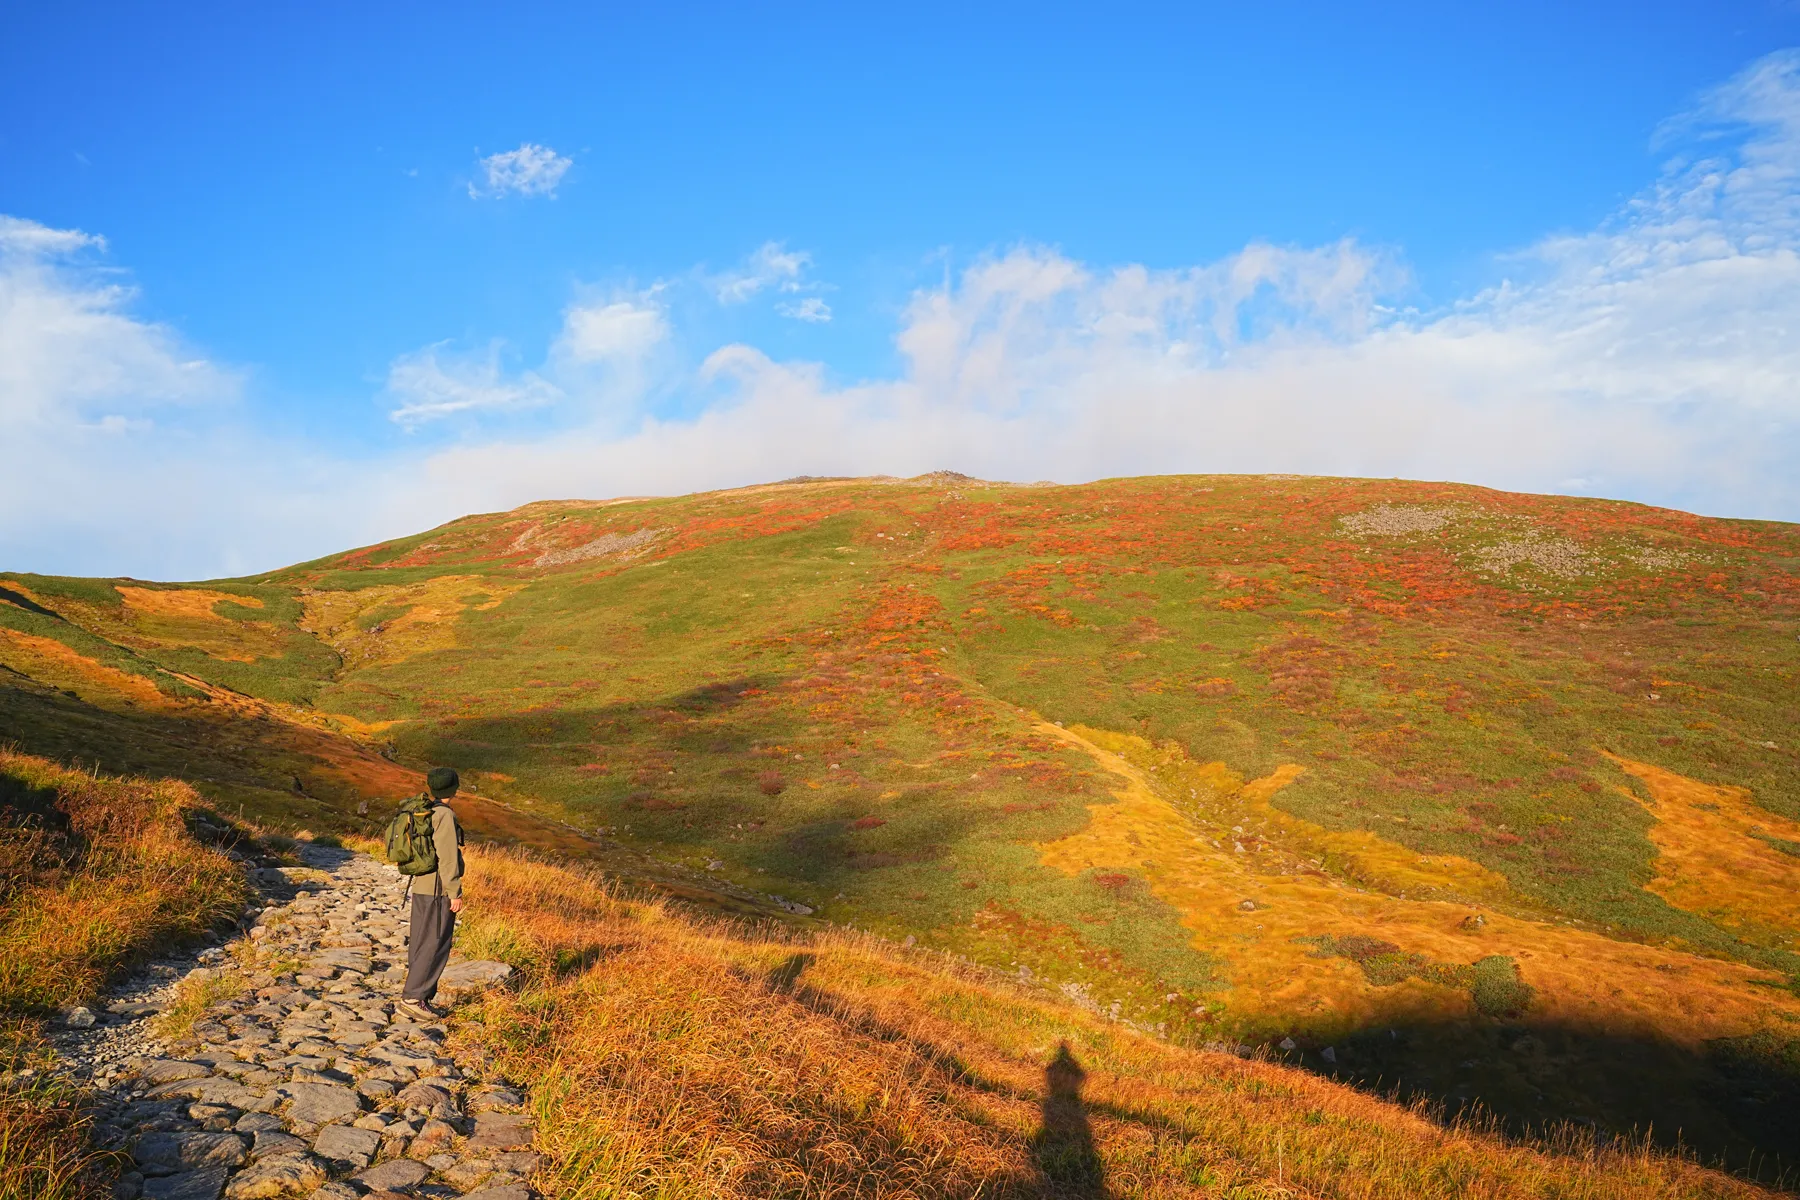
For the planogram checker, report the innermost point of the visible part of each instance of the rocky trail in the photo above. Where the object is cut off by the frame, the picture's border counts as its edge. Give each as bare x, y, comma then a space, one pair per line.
299, 1079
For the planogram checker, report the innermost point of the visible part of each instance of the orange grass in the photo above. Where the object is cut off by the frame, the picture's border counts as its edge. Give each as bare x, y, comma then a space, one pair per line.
125, 879
672, 1057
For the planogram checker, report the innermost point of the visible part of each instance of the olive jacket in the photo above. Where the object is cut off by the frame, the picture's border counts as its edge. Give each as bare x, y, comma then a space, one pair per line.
447, 880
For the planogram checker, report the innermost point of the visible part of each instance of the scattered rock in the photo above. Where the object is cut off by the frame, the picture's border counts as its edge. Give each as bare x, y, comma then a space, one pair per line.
1474, 921
429, 1099
397, 1175
170, 1153
79, 1018
501, 1131
464, 1175
1248, 906
302, 1075
495, 1099
346, 1143
321, 1103
1329, 1054
204, 1184
433, 1136
166, 1070
472, 976
511, 1191
1288, 1043
272, 1142
285, 1175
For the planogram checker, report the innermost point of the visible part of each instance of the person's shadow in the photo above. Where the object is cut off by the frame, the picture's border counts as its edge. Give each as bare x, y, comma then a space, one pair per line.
1064, 1148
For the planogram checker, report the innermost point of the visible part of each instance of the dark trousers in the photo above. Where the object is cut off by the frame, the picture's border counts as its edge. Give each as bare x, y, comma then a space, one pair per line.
428, 946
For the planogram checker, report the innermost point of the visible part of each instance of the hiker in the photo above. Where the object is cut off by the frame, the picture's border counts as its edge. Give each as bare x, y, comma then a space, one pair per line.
429, 842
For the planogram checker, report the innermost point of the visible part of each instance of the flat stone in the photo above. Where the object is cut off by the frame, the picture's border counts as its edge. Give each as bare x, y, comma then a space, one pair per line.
287, 1175
257, 1122
441, 1162
465, 1174
519, 1162
273, 1142
432, 1137
169, 1153
376, 1089
346, 1143
321, 1103
340, 960
512, 1191
496, 1099
133, 1009
427, 1098
501, 1131
214, 1090
393, 1176
334, 1191
472, 976
170, 1070
205, 1184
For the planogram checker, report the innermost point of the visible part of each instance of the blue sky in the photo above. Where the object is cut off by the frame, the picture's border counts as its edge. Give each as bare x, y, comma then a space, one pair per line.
433, 259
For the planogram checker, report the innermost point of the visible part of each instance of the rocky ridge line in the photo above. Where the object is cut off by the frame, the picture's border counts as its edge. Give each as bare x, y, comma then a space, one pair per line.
306, 1083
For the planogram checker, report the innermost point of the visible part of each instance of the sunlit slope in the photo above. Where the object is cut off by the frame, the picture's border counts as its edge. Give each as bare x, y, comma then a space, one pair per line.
1452, 746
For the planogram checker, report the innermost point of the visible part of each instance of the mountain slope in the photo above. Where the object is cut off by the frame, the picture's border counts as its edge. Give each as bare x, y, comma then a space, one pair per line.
1480, 790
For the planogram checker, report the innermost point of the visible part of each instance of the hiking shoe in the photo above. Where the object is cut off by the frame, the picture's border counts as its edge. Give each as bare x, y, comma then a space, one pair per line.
419, 1010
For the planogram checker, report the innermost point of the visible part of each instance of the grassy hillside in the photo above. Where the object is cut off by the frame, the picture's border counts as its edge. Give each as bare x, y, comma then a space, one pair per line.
1493, 796
96, 874
835, 1066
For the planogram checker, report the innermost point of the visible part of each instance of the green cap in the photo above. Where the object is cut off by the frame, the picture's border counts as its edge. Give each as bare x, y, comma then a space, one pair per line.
443, 781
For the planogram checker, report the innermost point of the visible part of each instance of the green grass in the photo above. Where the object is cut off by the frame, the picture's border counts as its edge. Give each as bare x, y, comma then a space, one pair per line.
888, 650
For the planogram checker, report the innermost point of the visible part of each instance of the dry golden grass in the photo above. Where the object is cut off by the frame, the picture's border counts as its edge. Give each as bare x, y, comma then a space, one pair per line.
1166, 827
124, 879
675, 1057
77, 903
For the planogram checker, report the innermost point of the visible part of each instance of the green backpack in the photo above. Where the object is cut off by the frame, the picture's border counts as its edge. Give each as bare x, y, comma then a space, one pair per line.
410, 845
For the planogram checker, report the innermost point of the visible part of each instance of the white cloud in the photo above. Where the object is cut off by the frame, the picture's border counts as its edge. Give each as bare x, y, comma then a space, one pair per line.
772, 265
531, 170
430, 384
619, 330
70, 349
809, 309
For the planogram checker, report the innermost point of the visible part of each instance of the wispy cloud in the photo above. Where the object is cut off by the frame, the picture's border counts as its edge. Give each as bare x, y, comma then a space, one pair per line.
619, 330
812, 308
434, 383
772, 265
531, 170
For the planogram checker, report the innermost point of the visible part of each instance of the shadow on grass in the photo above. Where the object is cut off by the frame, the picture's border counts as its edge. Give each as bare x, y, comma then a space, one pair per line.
1727, 1102
1064, 1148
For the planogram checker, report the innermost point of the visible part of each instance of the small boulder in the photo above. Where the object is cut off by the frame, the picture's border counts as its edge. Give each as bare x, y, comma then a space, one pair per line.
472, 976
285, 1175
495, 1099
434, 1136
346, 1143
512, 1191
396, 1175
502, 1131
273, 1142
79, 1018
315, 1104
170, 1070
204, 1184
428, 1098
170, 1153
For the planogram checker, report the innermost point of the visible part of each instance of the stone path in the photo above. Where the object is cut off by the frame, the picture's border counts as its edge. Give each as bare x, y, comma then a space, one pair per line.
307, 1084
